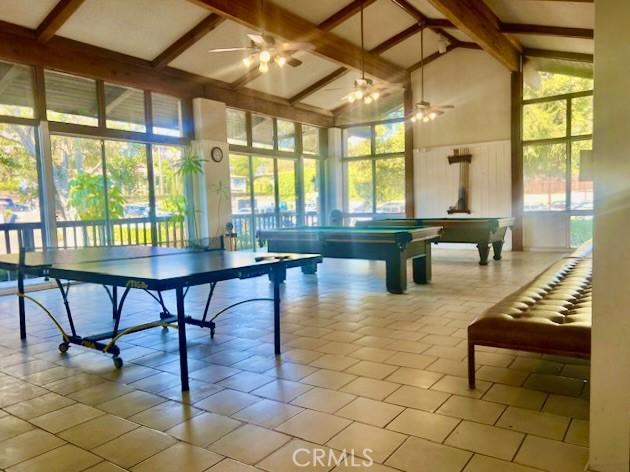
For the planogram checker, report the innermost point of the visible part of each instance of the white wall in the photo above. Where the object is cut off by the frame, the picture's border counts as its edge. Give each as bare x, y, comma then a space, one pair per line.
610, 363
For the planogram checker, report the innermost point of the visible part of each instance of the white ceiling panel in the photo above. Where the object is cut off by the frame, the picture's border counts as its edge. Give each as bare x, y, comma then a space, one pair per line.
426, 8
570, 14
141, 28
313, 11
28, 13
383, 20
556, 43
226, 66
332, 95
407, 53
287, 81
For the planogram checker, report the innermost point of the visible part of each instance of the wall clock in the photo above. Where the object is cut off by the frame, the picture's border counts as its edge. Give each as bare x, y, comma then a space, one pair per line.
217, 154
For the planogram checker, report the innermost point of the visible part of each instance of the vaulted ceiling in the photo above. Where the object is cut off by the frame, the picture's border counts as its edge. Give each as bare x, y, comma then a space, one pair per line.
175, 35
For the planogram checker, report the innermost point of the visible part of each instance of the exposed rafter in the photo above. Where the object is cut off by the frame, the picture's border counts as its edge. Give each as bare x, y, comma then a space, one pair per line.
321, 83
397, 38
432, 57
187, 40
344, 14
561, 55
279, 21
474, 18
19, 44
519, 28
56, 18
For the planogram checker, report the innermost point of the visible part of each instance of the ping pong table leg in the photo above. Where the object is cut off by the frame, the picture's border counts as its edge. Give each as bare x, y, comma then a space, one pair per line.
181, 328
21, 305
278, 275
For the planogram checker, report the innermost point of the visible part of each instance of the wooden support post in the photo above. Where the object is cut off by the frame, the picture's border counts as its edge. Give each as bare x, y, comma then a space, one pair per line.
517, 160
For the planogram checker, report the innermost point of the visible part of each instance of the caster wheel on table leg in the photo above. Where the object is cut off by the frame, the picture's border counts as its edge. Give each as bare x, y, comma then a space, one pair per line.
118, 362
212, 328
63, 347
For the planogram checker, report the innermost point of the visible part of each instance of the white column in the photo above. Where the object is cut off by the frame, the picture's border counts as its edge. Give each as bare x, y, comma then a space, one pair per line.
610, 363
334, 173
212, 191
49, 220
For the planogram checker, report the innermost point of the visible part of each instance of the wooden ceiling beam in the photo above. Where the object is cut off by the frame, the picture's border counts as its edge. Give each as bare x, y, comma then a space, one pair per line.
474, 18
520, 28
187, 40
397, 38
561, 55
344, 14
431, 57
56, 18
20, 45
321, 83
280, 22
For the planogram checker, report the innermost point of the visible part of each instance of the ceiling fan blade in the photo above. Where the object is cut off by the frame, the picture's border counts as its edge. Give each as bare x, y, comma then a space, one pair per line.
229, 49
295, 46
256, 38
293, 62
334, 89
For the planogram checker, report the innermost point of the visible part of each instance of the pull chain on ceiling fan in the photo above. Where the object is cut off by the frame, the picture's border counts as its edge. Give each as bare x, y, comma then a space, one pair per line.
424, 110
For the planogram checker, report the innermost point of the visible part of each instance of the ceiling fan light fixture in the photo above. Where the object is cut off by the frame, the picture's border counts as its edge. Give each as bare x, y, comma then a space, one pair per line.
280, 60
375, 95
433, 115
263, 67
368, 99
247, 61
264, 56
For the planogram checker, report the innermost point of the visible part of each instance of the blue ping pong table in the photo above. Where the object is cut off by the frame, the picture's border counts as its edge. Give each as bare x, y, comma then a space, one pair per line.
153, 270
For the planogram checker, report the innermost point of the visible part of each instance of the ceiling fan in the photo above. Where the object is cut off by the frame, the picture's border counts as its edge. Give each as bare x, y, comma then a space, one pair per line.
364, 88
423, 109
263, 49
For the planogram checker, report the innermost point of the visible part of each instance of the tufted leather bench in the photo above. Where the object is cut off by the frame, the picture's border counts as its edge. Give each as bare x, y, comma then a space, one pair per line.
551, 314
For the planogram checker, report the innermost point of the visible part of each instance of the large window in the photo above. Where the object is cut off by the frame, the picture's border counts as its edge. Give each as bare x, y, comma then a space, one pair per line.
374, 170
16, 91
71, 99
557, 135
275, 180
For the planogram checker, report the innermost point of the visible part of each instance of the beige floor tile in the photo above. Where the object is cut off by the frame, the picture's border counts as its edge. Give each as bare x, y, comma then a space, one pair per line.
472, 409
50, 375
67, 458
229, 465
227, 402
18, 392
328, 379
538, 365
567, 406
100, 393
198, 391
131, 403
213, 373
157, 383
165, 415
12, 426
578, 433
493, 359
423, 424
450, 367
245, 381
282, 390
338, 348
370, 388
370, 411
290, 371
429, 455
313, 426
414, 377
97, 431
418, 398
105, 467
39, 406
322, 399
502, 375
481, 463
371, 369
334, 362
26, 445
74, 383
67, 417
555, 384
367, 441
459, 386
486, 440
296, 456
301, 356
249, 443
534, 422
552, 455
406, 359
577, 371
179, 457
268, 413
204, 429
134, 447
362, 464
373, 354
515, 396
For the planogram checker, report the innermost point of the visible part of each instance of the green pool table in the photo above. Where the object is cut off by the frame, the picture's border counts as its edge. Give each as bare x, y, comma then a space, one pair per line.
479, 231
392, 245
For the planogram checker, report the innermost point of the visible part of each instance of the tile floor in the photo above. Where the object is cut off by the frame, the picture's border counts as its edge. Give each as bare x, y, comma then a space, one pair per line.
361, 369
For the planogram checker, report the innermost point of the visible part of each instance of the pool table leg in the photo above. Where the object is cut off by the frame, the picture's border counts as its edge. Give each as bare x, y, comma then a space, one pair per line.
484, 251
497, 246
396, 273
309, 269
422, 267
